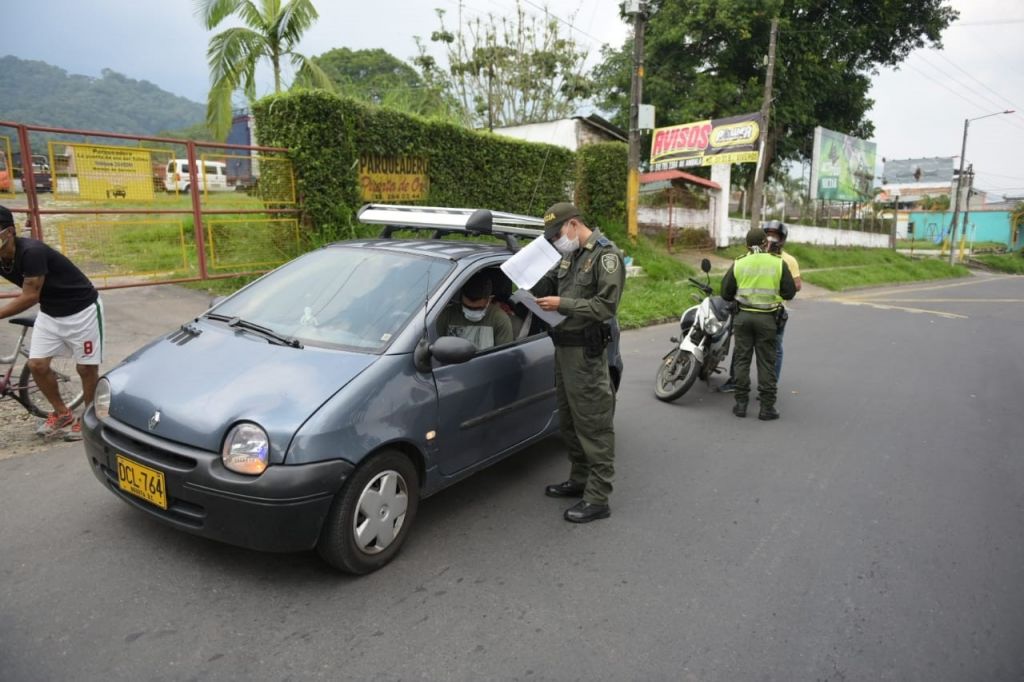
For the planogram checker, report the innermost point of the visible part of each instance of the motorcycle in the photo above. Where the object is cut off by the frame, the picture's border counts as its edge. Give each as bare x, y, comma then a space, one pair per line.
703, 343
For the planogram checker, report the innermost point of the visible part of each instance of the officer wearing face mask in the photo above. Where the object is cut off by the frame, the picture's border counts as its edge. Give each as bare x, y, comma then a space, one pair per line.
474, 317
585, 287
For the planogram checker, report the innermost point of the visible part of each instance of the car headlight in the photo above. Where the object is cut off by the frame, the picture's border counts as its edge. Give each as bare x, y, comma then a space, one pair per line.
246, 449
101, 401
713, 325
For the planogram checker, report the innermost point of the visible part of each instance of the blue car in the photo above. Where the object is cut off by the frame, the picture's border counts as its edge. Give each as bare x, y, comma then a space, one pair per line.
318, 405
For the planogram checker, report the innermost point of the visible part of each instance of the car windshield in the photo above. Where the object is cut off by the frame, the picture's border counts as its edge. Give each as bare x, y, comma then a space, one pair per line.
356, 298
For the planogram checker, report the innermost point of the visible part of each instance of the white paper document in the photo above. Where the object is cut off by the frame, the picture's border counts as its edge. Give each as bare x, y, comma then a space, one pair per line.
526, 298
531, 263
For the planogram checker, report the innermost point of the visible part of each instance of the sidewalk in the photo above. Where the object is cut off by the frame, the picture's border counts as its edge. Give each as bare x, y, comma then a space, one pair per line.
133, 317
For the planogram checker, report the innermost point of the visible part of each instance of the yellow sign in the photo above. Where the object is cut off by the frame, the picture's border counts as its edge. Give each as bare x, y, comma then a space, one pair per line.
393, 178
733, 157
112, 173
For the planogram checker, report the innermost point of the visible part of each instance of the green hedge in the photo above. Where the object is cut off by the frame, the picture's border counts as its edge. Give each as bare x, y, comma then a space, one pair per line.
327, 134
601, 175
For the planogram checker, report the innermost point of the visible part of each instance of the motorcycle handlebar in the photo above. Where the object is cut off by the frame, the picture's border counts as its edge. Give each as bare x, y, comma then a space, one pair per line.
700, 285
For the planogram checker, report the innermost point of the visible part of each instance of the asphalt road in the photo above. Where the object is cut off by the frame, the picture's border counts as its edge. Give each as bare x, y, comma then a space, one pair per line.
875, 532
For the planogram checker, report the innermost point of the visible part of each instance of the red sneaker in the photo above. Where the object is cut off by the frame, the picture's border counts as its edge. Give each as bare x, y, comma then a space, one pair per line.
56, 424
74, 432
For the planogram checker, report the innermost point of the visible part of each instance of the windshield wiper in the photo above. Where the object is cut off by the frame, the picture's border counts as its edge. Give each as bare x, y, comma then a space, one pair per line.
269, 334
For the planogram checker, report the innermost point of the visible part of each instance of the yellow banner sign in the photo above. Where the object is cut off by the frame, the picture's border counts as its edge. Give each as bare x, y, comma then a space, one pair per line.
113, 173
393, 178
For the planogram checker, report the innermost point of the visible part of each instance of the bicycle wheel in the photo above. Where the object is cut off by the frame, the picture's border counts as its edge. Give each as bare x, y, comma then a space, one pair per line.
68, 381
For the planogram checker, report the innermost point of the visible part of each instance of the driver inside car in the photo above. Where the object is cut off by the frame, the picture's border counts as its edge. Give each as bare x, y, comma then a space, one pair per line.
474, 317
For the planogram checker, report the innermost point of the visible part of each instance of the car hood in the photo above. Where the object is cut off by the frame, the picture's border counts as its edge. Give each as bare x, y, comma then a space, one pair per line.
203, 383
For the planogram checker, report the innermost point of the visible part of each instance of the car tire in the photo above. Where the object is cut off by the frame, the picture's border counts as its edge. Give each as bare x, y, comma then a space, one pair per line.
367, 524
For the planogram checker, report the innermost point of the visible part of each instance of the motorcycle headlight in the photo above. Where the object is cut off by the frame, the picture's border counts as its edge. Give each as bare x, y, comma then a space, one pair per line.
246, 449
713, 325
101, 401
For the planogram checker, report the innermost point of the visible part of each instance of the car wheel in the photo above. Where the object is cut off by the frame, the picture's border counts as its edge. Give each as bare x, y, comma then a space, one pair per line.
371, 516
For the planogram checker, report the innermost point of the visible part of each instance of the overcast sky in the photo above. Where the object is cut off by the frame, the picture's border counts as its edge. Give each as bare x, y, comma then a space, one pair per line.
919, 110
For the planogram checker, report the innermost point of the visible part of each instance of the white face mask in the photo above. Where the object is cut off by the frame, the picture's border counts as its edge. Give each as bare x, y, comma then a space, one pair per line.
566, 246
474, 315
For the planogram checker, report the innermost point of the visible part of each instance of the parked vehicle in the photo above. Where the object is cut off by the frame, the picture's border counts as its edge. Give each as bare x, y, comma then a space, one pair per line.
40, 173
706, 332
211, 176
318, 405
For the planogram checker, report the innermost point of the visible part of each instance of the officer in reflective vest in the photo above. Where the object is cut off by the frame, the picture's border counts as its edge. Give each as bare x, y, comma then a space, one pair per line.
758, 281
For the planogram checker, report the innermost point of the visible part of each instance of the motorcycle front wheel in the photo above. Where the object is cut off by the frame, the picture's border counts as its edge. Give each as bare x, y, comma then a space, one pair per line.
676, 375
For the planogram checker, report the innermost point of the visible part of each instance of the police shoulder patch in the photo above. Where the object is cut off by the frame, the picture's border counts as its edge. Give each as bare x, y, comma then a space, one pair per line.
610, 263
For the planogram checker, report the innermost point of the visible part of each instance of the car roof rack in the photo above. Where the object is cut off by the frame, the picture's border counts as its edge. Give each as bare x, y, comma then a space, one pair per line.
444, 221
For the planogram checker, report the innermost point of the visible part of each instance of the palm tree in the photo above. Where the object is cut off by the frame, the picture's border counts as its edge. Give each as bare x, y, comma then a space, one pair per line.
272, 30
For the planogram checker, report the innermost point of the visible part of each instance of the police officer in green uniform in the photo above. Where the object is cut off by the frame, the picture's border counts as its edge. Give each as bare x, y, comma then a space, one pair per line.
585, 287
758, 281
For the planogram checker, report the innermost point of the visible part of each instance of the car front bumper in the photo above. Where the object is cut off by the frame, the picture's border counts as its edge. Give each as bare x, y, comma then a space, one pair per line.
281, 510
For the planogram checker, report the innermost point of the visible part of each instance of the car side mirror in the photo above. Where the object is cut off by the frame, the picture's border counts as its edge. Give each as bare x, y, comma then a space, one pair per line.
448, 350
705, 265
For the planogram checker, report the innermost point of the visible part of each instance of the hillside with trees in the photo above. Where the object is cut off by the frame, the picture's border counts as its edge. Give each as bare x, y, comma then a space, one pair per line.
38, 93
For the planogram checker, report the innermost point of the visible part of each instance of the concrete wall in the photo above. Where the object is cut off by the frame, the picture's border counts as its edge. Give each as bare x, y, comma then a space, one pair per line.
736, 231
820, 236
659, 216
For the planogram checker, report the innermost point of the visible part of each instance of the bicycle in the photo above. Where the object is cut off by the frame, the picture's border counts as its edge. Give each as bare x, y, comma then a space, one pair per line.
26, 391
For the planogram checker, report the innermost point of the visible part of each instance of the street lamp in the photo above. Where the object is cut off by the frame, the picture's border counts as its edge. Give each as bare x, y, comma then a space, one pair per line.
959, 180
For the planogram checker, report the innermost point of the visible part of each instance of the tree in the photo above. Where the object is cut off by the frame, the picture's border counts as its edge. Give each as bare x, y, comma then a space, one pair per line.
272, 30
381, 78
511, 71
706, 59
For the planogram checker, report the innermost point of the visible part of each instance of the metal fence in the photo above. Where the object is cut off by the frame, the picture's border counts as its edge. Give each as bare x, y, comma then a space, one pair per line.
133, 210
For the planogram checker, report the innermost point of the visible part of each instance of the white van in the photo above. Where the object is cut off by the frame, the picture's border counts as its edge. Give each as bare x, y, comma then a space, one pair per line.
211, 176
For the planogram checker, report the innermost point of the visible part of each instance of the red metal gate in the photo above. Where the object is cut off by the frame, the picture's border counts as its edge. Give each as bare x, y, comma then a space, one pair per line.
120, 205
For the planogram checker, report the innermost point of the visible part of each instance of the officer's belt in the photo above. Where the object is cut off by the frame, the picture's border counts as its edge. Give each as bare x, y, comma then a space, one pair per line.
564, 338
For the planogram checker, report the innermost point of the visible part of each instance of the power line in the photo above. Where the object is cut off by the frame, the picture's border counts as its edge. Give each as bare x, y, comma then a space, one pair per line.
560, 19
966, 99
976, 80
986, 22
962, 85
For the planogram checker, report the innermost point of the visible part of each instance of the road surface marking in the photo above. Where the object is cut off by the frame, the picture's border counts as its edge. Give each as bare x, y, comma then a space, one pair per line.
882, 306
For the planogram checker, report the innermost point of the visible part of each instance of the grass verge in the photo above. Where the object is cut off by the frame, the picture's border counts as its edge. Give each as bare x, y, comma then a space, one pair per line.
841, 279
1012, 263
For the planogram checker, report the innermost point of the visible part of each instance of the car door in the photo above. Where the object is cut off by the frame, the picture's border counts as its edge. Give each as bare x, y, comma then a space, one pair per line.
495, 401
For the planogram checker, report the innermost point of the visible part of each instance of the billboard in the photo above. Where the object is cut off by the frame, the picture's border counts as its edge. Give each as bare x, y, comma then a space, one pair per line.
703, 143
933, 171
842, 167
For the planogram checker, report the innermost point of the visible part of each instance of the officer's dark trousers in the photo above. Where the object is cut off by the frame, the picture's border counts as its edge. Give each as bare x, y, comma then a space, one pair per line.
586, 410
754, 334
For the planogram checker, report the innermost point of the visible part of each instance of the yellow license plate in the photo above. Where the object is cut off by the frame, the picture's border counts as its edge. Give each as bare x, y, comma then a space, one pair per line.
141, 481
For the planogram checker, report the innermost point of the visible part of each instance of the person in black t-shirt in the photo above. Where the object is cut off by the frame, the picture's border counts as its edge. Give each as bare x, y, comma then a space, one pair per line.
69, 322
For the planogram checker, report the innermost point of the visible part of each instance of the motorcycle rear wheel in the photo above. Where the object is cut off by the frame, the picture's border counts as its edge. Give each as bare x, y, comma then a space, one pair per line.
676, 374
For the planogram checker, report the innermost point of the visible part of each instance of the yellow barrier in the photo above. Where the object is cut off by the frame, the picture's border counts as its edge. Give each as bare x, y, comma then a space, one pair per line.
238, 244
128, 251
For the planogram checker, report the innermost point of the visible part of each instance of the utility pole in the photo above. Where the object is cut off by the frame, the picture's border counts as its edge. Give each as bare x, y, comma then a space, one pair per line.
967, 209
960, 177
766, 102
636, 7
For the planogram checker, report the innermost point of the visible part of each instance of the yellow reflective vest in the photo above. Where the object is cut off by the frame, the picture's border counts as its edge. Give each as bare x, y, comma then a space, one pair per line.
758, 278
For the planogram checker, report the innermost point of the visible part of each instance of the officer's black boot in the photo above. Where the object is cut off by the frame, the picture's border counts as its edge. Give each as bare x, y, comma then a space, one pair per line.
740, 409
768, 413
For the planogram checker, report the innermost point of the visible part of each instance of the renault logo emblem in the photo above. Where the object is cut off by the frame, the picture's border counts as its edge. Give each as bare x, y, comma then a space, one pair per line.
154, 421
